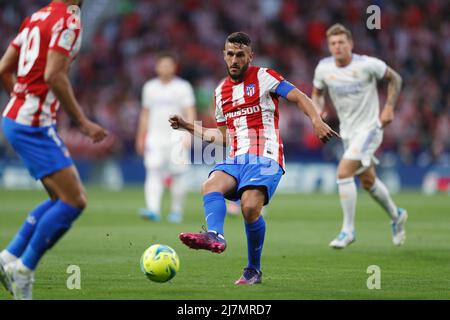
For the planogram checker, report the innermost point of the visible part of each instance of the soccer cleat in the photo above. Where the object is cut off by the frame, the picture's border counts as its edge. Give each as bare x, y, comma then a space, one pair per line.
22, 284
342, 240
211, 241
175, 217
149, 215
5, 275
250, 276
398, 227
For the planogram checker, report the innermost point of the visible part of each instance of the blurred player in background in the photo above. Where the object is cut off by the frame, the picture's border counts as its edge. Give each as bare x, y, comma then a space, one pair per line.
351, 81
34, 70
234, 208
247, 107
166, 153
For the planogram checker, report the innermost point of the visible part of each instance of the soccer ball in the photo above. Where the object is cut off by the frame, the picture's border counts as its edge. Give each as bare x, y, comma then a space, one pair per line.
160, 263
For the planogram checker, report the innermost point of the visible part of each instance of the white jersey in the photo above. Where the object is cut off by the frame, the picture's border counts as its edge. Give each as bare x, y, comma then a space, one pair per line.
353, 91
163, 100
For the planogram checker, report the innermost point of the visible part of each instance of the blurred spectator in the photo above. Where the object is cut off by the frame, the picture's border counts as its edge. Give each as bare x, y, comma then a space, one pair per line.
288, 35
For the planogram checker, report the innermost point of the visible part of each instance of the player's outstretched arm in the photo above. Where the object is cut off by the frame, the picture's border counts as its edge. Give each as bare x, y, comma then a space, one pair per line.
211, 135
322, 130
318, 98
8, 68
57, 78
394, 88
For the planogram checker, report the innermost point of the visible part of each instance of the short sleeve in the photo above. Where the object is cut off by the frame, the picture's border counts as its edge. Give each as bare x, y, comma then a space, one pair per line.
318, 78
376, 67
270, 79
66, 36
220, 117
146, 96
188, 97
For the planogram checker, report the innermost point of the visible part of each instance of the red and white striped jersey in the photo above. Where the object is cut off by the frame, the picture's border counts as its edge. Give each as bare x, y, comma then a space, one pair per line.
249, 109
53, 27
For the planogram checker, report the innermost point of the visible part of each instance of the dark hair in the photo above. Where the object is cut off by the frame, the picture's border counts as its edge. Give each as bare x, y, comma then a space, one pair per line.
240, 38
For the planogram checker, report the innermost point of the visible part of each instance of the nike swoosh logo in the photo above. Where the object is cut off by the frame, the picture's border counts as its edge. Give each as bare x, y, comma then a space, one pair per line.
209, 215
225, 101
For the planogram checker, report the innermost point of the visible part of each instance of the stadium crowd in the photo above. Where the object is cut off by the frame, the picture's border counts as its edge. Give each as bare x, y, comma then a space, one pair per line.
288, 35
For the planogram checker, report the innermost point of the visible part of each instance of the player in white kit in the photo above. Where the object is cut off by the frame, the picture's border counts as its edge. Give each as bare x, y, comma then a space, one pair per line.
351, 82
165, 151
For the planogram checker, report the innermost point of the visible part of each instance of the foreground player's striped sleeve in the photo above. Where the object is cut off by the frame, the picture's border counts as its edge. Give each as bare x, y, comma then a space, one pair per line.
220, 117
273, 82
269, 79
66, 36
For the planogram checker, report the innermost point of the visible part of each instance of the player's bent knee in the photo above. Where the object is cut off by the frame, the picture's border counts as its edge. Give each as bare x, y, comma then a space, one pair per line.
78, 200
211, 186
367, 182
251, 211
206, 187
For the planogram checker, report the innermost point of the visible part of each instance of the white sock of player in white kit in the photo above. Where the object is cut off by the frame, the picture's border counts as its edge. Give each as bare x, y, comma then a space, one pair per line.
154, 188
381, 194
178, 193
348, 194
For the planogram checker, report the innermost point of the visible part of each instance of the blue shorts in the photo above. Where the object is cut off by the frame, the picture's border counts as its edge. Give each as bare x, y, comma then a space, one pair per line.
40, 148
251, 171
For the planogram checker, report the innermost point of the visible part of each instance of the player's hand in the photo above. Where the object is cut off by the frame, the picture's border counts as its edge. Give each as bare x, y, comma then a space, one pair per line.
93, 131
323, 131
177, 122
387, 115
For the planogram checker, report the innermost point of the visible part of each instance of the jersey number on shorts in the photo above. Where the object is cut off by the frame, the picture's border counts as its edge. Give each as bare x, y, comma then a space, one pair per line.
31, 41
52, 134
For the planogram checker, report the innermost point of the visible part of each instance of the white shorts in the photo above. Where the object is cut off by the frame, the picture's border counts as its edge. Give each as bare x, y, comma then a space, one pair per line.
362, 146
170, 159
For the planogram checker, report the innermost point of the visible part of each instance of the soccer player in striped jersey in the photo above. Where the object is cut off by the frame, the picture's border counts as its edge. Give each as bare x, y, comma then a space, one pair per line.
34, 71
247, 107
351, 81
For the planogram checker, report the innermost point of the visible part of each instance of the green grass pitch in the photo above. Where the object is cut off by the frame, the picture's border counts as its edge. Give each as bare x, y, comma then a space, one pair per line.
108, 240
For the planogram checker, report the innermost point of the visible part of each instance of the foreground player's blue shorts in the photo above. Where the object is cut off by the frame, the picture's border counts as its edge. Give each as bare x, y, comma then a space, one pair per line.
40, 148
251, 171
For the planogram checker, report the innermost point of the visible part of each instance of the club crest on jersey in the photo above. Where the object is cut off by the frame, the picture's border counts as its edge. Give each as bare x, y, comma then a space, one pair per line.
67, 39
250, 90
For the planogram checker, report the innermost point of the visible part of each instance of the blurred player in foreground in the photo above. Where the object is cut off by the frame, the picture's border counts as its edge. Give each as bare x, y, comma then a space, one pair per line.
166, 152
34, 70
247, 107
351, 80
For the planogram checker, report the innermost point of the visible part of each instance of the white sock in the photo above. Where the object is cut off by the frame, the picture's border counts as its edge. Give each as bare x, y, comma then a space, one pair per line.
7, 257
154, 188
178, 193
348, 193
23, 269
381, 194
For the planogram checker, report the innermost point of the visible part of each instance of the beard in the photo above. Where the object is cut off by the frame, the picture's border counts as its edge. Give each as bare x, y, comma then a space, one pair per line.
239, 75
